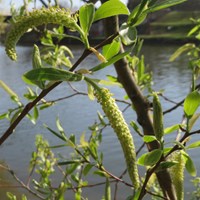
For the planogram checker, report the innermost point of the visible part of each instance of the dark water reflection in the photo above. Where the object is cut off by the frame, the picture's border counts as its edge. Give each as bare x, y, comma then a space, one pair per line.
77, 113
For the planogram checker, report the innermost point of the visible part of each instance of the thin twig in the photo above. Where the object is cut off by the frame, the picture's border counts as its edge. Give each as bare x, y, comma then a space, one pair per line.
21, 182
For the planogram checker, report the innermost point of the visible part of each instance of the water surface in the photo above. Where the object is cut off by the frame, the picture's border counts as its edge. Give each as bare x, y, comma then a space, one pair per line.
77, 113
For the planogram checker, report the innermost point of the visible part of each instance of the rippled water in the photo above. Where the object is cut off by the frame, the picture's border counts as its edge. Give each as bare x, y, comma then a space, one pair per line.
77, 113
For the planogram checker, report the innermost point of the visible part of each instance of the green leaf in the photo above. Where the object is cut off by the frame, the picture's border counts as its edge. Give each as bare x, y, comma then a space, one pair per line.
110, 62
86, 16
192, 120
128, 34
164, 4
111, 50
55, 133
150, 158
83, 142
149, 138
4, 115
171, 129
101, 119
191, 103
90, 91
181, 50
189, 165
87, 168
111, 8
101, 173
50, 74
35, 113
194, 145
24, 197
138, 15
165, 165
136, 127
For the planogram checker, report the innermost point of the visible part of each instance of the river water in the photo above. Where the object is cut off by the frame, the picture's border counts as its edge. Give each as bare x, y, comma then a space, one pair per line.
77, 113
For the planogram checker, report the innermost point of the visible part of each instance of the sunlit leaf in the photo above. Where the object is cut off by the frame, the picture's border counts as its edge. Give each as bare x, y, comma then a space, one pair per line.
181, 50
86, 16
111, 50
83, 142
87, 169
149, 138
136, 127
164, 4
192, 120
171, 129
194, 145
191, 103
150, 158
138, 15
90, 91
101, 173
190, 167
3, 116
51, 74
104, 11
165, 165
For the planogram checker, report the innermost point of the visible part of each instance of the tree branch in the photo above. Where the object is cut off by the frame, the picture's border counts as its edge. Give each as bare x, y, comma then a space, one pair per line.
142, 108
44, 92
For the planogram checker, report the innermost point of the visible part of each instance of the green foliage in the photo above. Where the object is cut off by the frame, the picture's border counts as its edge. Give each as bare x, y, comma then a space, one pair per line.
150, 158
191, 103
86, 17
83, 157
104, 11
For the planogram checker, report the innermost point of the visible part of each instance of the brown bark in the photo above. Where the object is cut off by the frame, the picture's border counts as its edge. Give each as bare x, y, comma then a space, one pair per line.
141, 106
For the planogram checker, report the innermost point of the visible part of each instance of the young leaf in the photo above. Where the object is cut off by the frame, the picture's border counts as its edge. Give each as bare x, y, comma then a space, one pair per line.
181, 50
111, 50
90, 91
171, 129
87, 168
101, 173
128, 34
51, 74
190, 167
86, 16
165, 165
104, 11
192, 120
83, 142
150, 158
191, 103
194, 145
149, 138
138, 15
164, 4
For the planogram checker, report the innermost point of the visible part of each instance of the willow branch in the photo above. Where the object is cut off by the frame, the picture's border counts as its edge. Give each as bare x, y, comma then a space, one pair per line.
44, 92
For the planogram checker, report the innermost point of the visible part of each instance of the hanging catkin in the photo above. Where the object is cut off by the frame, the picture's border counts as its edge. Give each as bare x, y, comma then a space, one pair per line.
122, 131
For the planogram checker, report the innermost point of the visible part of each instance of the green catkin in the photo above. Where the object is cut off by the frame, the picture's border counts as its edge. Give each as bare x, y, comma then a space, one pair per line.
120, 127
157, 118
177, 174
36, 18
